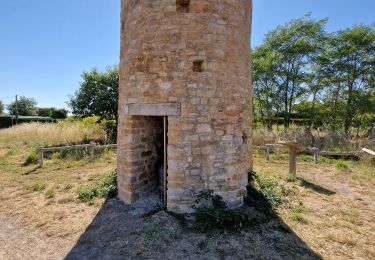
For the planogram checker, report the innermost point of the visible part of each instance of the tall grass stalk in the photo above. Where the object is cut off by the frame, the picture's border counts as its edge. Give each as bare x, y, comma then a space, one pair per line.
51, 134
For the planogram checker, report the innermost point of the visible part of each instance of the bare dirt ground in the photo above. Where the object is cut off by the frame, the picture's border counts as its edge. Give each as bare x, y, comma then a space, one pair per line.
328, 213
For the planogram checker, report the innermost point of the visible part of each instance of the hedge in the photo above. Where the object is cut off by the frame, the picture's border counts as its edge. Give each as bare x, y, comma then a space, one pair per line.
8, 121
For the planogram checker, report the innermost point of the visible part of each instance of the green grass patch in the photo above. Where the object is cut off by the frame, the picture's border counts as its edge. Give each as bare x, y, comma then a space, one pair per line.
212, 214
31, 159
291, 178
296, 213
102, 188
305, 157
56, 156
37, 187
153, 232
50, 194
341, 165
270, 189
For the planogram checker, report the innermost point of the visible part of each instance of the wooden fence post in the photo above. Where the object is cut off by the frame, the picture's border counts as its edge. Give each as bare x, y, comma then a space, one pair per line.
292, 161
268, 148
92, 150
40, 156
316, 153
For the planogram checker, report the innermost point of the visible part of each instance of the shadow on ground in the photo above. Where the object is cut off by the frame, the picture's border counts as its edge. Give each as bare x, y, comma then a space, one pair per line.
115, 233
316, 188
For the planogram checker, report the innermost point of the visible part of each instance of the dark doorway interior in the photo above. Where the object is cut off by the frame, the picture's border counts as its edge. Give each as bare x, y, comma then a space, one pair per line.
154, 154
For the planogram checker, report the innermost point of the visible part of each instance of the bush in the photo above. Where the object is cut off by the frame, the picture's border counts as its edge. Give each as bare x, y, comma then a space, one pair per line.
31, 159
103, 188
263, 194
110, 128
268, 188
53, 112
211, 213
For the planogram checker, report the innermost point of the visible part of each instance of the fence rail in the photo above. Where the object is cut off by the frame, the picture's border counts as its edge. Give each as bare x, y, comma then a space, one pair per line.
91, 147
294, 148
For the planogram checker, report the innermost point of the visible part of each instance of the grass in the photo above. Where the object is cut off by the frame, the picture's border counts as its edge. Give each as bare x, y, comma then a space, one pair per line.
324, 140
296, 213
334, 224
291, 178
342, 239
212, 214
271, 190
64, 132
61, 171
105, 187
153, 232
31, 159
50, 194
341, 165
37, 187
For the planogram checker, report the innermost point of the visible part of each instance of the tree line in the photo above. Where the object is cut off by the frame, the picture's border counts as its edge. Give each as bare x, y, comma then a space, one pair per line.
28, 107
303, 74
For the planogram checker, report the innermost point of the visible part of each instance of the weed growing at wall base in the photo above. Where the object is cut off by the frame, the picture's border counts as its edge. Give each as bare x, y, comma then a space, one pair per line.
104, 188
211, 213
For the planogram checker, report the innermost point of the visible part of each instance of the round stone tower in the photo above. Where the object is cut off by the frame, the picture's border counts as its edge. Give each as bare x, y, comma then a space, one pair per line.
185, 104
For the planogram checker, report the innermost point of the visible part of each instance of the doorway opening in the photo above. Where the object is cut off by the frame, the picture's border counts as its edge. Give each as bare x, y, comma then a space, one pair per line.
154, 141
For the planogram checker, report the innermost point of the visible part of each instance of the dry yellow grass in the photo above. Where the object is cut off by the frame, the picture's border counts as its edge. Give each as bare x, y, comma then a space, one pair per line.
49, 134
45, 197
326, 140
336, 219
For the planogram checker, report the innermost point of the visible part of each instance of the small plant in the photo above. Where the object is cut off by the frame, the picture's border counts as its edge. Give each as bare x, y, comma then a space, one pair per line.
56, 156
211, 213
31, 159
103, 188
341, 165
296, 213
68, 186
269, 188
38, 187
50, 194
291, 178
153, 232
306, 158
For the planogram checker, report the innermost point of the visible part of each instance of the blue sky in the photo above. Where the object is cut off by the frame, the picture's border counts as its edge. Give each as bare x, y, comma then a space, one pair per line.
46, 44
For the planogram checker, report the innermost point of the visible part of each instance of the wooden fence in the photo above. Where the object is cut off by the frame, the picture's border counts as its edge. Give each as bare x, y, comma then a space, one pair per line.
294, 148
91, 148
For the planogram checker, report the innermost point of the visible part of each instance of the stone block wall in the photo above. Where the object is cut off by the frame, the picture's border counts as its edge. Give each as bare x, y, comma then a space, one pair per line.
144, 153
197, 55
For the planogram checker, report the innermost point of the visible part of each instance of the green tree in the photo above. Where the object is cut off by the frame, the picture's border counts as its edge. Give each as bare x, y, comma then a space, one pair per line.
25, 106
53, 112
59, 113
97, 95
287, 56
351, 59
1, 107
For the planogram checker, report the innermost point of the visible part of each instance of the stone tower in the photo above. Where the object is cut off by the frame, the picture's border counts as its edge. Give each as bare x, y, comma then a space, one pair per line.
185, 74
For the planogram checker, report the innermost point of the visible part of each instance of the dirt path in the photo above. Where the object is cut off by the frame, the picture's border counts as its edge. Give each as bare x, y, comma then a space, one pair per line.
19, 241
